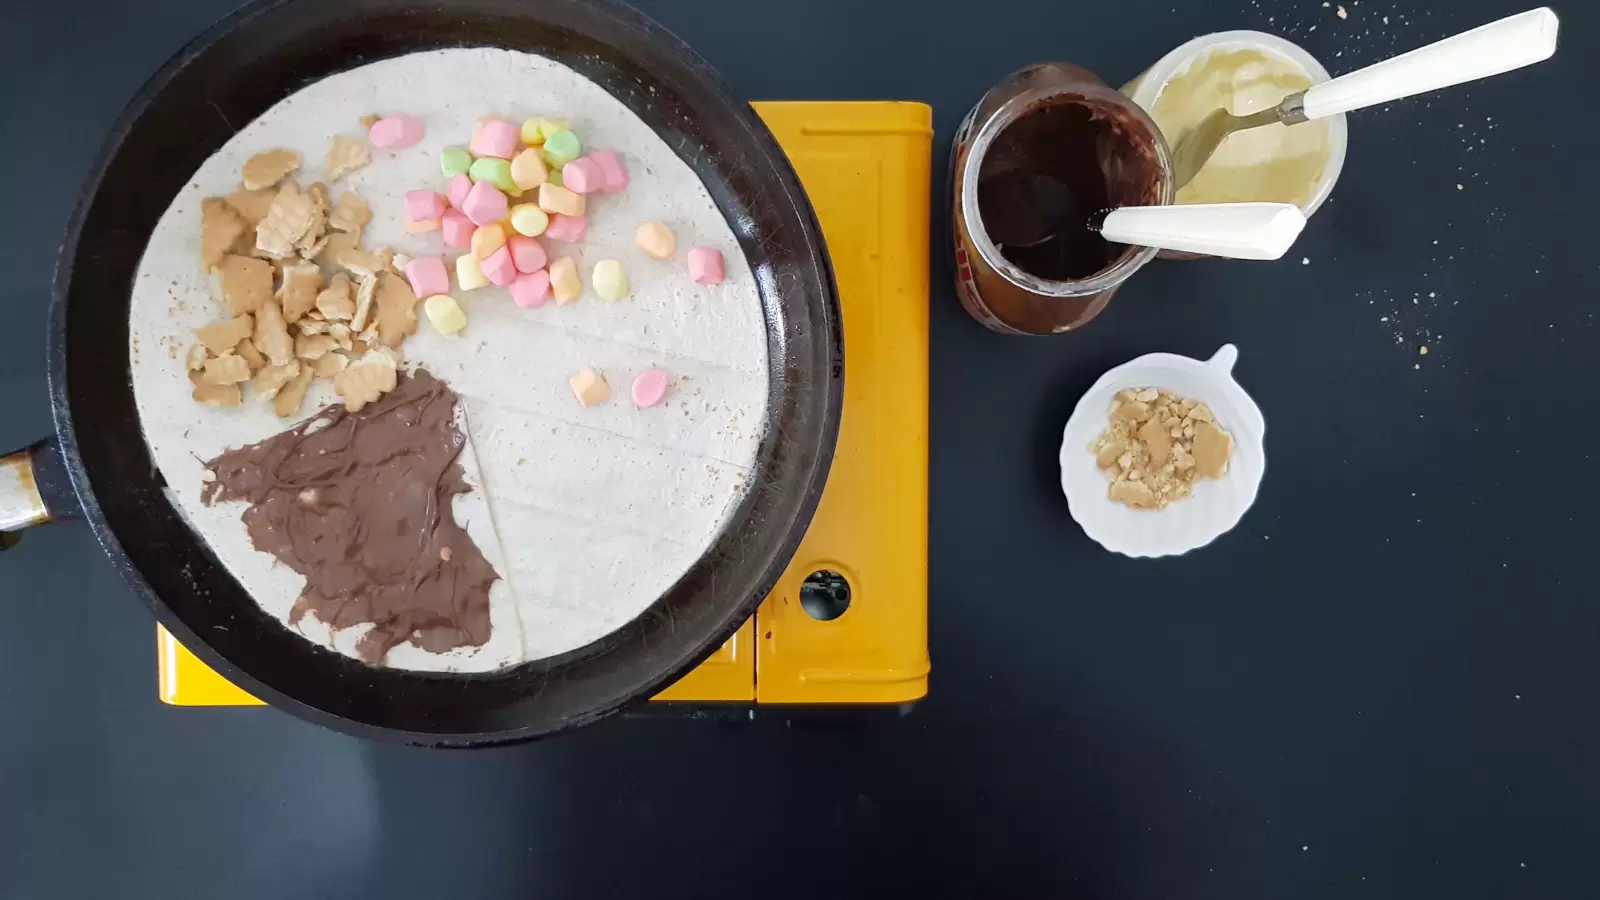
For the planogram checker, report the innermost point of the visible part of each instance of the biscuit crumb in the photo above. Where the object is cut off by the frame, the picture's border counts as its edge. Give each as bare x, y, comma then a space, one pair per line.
345, 155
1157, 445
267, 169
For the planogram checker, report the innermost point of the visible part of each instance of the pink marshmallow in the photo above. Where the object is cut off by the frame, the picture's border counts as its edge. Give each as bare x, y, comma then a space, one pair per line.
616, 177
457, 229
423, 205
484, 204
705, 265
583, 176
497, 138
395, 132
428, 276
531, 290
458, 188
566, 229
527, 253
649, 388
498, 267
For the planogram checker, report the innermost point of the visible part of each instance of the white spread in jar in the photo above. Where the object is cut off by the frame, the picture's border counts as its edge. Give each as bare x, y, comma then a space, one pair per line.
1276, 163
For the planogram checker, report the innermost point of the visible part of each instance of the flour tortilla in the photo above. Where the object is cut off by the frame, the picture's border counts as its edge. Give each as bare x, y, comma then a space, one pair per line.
589, 515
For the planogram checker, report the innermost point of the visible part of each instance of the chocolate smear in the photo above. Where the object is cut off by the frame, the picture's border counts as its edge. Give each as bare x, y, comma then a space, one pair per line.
360, 504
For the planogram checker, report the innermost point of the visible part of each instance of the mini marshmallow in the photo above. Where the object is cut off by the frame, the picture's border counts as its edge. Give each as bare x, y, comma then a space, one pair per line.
554, 198
425, 204
528, 170
705, 265
469, 275
456, 192
497, 138
485, 203
564, 280
457, 229
536, 130
649, 388
616, 177
531, 290
526, 254
445, 314
454, 161
583, 176
609, 281
395, 132
498, 267
421, 227
656, 240
487, 239
528, 219
561, 147
566, 229
428, 276
495, 171
589, 387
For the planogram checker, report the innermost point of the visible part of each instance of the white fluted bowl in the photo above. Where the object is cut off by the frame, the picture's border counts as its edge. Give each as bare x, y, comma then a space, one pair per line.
1217, 504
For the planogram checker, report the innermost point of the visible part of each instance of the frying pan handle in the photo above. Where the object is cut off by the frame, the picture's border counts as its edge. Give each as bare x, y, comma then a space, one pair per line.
34, 489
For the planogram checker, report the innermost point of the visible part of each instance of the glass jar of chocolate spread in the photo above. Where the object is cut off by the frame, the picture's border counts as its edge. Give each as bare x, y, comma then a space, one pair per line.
1036, 164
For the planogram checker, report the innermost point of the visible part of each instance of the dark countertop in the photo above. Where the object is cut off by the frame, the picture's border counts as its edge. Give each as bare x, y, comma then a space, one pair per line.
1380, 685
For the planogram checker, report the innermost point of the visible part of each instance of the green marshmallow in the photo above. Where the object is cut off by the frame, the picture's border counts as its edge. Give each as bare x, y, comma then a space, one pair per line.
561, 147
455, 161
554, 177
495, 171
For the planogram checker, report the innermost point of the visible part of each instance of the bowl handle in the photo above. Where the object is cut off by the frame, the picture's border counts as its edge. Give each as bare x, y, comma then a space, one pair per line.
1224, 359
34, 489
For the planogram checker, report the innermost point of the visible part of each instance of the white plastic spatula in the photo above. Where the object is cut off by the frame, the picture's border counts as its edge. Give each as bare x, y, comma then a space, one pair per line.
1234, 230
1511, 43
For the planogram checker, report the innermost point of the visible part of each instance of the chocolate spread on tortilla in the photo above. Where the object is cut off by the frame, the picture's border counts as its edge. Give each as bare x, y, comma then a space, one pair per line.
359, 503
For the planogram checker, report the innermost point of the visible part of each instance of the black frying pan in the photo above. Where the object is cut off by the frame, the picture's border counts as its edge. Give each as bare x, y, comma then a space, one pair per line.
98, 466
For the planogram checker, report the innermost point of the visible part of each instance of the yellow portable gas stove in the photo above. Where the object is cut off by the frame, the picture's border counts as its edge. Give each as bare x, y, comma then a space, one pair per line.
848, 621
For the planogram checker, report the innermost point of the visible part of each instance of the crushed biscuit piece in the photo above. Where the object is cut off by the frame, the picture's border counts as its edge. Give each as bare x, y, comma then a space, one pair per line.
330, 365
338, 243
196, 358
314, 346
225, 369
366, 379
397, 309
361, 263
445, 554
369, 120
335, 303
292, 216
1156, 446
345, 155
253, 206
291, 395
246, 282
248, 352
225, 395
1212, 448
220, 337
267, 169
301, 286
220, 228
351, 213
272, 334
270, 379
365, 289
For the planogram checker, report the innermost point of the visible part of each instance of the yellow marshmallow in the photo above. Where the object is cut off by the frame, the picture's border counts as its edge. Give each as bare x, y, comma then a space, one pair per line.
468, 274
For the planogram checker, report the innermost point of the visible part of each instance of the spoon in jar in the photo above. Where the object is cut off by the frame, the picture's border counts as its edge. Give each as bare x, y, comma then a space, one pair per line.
1511, 43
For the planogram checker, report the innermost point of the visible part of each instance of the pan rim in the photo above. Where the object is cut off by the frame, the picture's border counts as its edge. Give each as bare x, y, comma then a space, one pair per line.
825, 435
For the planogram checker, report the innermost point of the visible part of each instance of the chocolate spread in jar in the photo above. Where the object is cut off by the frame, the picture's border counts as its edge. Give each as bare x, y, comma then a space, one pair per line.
360, 504
1049, 178
1035, 166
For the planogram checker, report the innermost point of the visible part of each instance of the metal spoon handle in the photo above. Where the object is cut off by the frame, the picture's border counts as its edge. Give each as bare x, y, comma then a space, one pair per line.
1511, 43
